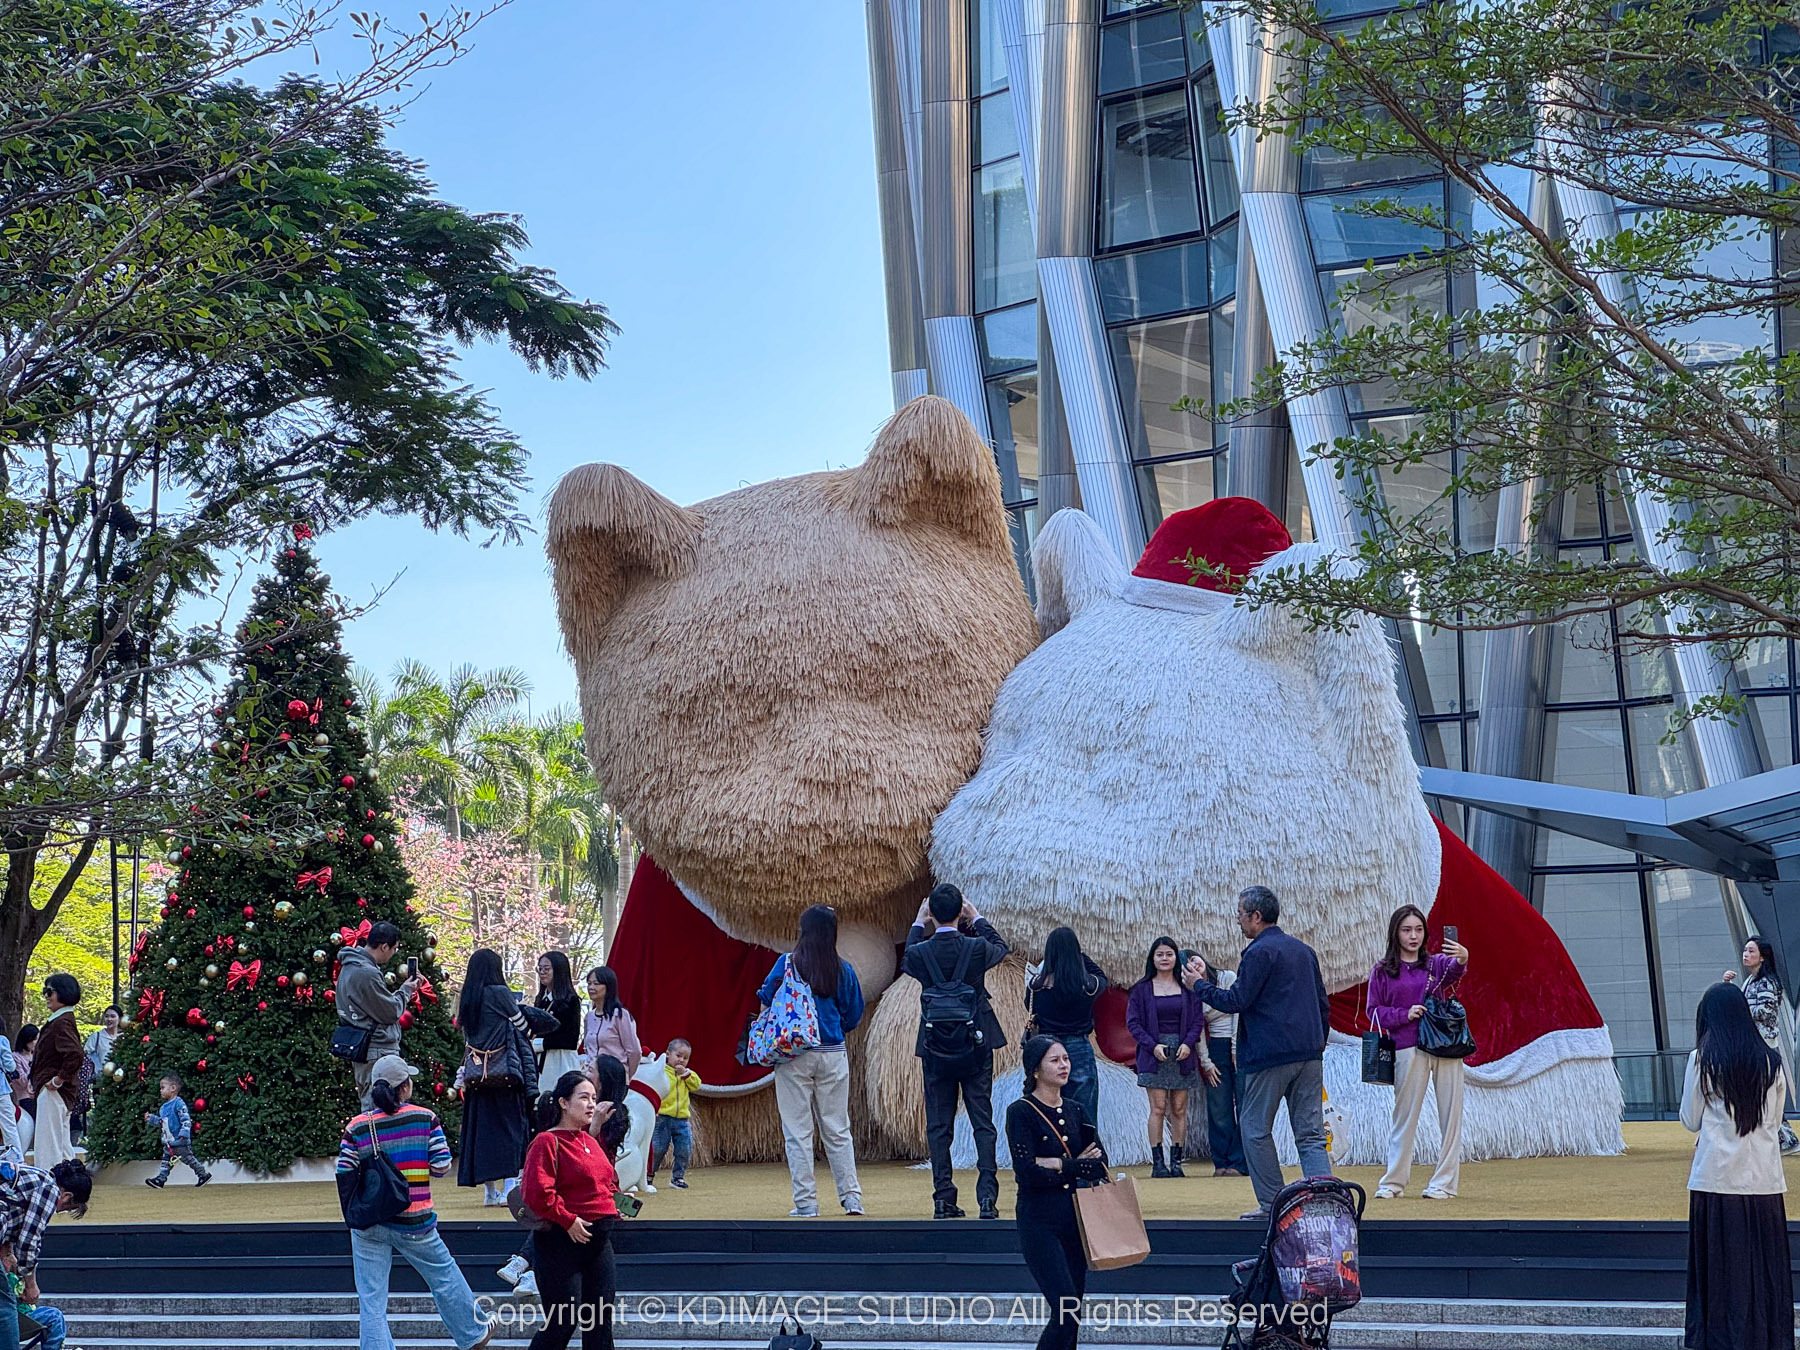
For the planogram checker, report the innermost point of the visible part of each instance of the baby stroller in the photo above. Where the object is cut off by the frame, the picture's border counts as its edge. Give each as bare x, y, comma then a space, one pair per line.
1306, 1273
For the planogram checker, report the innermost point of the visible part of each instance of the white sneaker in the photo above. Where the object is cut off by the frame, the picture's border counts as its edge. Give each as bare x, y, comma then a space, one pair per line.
1391, 1193
1430, 1194
803, 1214
648, 1188
527, 1285
513, 1270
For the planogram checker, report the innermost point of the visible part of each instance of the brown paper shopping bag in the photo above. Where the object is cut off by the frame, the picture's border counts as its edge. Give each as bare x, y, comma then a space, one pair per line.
1112, 1225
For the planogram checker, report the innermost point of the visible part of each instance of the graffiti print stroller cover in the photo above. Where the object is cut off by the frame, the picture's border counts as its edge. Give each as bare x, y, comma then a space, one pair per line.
1307, 1271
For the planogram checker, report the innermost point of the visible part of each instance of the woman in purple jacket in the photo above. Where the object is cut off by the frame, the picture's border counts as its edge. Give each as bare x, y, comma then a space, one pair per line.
1398, 987
1167, 1023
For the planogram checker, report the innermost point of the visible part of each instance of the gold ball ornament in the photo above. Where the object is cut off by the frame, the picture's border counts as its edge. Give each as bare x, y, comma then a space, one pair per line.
172, 962
219, 1026
249, 925
321, 739
205, 983
118, 1075
392, 978
299, 978
211, 971
319, 955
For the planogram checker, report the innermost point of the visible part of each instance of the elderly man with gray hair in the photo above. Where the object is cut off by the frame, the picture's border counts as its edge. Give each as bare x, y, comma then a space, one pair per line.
1284, 1019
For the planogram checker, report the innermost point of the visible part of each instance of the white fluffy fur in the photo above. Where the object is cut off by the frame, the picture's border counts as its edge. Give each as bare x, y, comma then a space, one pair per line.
1570, 1106
1160, 752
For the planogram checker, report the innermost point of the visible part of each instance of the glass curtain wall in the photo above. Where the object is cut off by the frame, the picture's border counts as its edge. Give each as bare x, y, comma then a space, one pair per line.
1005, 280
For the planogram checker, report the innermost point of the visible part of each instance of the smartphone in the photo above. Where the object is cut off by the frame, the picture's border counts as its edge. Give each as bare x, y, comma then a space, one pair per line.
412, 967
629, 1206
1449, 932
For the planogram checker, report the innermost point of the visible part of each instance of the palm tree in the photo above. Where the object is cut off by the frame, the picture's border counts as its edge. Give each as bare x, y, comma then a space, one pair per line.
452, 721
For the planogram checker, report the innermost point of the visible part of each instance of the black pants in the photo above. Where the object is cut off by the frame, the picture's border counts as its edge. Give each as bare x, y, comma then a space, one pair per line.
974, 1077
1051, 1245
578, 1284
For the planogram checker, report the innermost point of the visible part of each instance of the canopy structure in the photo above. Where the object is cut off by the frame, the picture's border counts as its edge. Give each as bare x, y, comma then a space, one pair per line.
1747, 831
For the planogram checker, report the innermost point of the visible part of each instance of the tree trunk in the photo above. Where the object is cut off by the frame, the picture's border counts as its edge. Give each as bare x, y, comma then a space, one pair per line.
616, 905
22, 926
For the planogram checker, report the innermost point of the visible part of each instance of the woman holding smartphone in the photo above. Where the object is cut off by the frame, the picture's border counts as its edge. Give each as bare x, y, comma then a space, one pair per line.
1398, 987
569, 1181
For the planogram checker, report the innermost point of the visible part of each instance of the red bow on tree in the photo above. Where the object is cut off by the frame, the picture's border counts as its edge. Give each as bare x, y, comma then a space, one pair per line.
305, 879
424, 990
247, 975
302, 532
317, 708
352, 936
303, 994
150, 1004
246, 1081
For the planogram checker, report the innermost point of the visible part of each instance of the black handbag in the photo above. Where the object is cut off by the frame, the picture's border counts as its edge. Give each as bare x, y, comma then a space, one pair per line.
1444, 1029
351, 1043
1377, 1056
793, 1336
373, 1191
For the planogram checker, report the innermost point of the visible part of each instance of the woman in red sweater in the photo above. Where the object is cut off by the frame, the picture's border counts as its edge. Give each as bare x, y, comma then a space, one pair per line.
569, 1181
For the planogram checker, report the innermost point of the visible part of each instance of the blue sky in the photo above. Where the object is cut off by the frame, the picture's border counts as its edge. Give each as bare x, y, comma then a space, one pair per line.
706, 171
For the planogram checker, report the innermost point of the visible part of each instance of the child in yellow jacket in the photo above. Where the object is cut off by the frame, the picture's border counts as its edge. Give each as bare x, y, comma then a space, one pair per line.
674, 1125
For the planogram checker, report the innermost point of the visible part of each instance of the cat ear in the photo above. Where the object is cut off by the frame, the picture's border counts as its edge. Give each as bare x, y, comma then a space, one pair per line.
605, 525
929, 464
1074, 566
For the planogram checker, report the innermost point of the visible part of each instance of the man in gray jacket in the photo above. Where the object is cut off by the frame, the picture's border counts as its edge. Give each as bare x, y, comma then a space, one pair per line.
365, 1001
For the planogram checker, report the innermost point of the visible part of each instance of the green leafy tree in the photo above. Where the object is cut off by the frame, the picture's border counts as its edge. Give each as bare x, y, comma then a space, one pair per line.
220, 306
233, 987
1619, 332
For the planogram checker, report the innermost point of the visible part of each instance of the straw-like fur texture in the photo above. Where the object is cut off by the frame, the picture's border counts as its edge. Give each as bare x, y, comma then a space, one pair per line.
783, 686
893, 1077
1166, 747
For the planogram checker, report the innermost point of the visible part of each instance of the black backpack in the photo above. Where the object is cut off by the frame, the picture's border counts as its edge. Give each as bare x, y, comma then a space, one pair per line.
949, 1006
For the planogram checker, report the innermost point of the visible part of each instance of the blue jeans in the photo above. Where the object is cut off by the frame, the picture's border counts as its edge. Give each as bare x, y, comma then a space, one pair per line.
669, 1131
1224, 1140
1084, 1078
9, 1316
56, 1330
372, 1251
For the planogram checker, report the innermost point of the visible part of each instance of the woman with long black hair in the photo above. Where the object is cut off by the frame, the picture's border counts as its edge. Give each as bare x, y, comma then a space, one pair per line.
819, 1077
1055, 1148
497, 1101
558, 996
1763, 992
1167, 1021
1060, 998
609, 1028
1740, 1281
569, 1182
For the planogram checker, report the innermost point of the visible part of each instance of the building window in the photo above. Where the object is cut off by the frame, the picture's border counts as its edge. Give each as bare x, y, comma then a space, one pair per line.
1342, 233
1158, 365
1005, 251
1009, 339
1215, 145
1154, 281
1150, 50
1174, 485
1013, 413
987, 50
1147, 185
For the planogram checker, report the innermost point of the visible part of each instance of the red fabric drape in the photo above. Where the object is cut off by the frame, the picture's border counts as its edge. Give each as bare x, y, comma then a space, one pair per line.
680, 974
1521, 982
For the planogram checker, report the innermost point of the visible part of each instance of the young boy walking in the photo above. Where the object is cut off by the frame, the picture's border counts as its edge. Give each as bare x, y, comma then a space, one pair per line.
177, 1134
674, 1124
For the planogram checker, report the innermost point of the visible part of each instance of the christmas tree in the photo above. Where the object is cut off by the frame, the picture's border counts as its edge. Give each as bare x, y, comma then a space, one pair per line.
233, 987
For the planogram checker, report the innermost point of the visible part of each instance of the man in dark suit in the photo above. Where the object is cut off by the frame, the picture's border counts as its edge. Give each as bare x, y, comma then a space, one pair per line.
949, 952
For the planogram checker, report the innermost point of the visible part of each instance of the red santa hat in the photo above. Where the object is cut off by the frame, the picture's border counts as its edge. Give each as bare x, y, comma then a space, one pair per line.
1213, 546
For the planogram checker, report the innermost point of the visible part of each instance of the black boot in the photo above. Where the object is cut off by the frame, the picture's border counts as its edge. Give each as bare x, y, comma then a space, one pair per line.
1175, 1161
1158, 1168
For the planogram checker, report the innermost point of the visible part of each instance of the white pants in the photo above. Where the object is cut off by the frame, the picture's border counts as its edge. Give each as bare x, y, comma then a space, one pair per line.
9, 1127
818, 1078
1414, 1070
53, 1142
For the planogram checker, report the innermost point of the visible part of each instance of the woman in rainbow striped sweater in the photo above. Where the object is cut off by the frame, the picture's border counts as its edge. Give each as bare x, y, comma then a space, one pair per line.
410, 1136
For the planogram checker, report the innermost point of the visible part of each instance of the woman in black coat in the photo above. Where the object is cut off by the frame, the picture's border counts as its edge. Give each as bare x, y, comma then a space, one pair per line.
497, 1031
1055, 1148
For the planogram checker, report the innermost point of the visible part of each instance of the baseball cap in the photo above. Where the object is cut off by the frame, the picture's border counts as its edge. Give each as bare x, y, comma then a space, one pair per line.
393, 1070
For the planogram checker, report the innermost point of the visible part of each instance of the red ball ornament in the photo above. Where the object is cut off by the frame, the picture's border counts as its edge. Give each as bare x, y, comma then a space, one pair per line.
200, 1064
286, 737
438, 1088
406, 1020
348, 703
331, 996
165, 911
199, 1103
210, 1040
196, 1018
249, 911
209, 949
187, 850
190, 914
296, 709
146, 1040
368, 841
260, 1007
361, 902
348, 780
369, 813
262, 792
281, 981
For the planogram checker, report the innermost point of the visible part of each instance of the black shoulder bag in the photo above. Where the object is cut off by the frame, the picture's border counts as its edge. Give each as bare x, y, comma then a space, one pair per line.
351, 1043
1444, 1028
373, 1191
